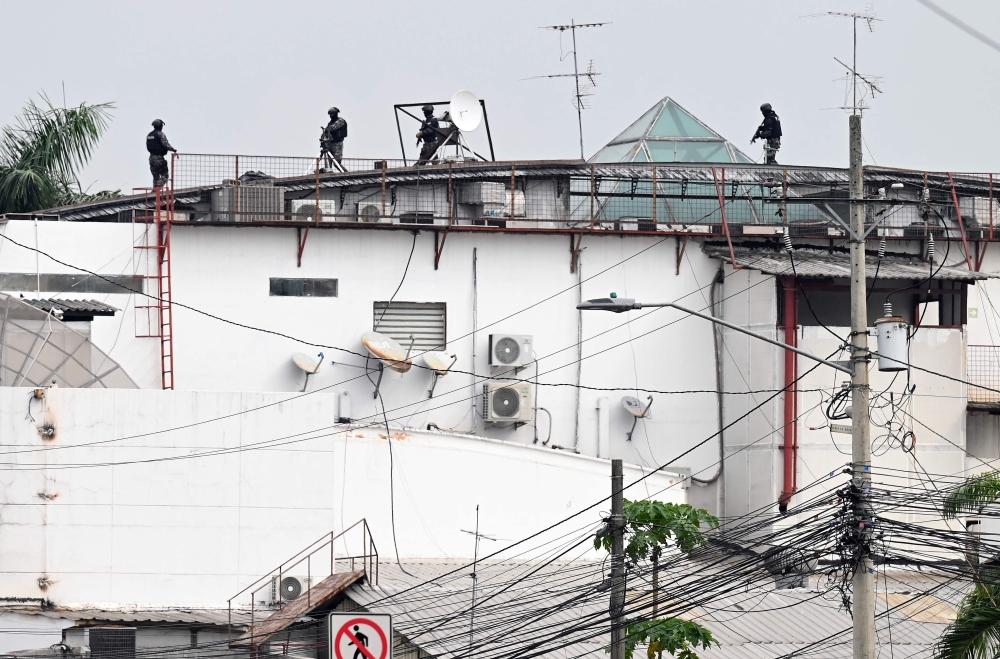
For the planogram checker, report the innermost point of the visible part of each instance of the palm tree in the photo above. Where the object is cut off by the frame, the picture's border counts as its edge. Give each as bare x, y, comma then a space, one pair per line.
41, 152
975, 633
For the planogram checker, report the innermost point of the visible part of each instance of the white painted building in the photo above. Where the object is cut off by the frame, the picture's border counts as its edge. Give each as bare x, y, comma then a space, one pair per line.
151, 498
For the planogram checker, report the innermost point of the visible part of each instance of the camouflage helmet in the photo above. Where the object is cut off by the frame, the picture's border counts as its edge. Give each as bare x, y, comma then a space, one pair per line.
428, 109
765, 108
157, 124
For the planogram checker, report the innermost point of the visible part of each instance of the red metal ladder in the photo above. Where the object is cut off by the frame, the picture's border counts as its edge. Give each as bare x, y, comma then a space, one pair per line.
155, 213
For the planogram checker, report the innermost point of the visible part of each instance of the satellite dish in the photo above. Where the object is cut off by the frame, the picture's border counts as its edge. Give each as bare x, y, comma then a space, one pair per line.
440, 361
308, 364
636, 409
632, 404
388, 351
465, 110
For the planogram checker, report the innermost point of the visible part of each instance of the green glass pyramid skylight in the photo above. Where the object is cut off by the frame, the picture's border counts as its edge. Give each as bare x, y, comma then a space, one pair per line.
669, 133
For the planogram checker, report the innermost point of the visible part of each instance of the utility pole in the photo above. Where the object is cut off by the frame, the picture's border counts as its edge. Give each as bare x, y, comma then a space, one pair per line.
617, 605
863, 582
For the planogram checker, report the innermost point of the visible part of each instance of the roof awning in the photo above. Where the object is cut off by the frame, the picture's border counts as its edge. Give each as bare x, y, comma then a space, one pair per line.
69, 310
821, 264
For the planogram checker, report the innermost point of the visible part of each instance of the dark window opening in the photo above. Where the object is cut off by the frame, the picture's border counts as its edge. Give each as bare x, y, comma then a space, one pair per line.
284, 287
940, 303
60, 283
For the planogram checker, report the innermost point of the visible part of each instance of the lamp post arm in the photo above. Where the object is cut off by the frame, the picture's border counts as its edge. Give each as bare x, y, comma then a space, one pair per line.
718, 321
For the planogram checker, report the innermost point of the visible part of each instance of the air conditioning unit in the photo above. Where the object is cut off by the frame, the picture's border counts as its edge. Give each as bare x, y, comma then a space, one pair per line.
369, 213
289, 588
510, 350
503, 402
305, 209
248, 201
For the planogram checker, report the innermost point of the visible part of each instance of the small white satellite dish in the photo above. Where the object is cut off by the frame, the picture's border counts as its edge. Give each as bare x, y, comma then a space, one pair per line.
440, 361
632, 404
636, 409
465, 110
308, 364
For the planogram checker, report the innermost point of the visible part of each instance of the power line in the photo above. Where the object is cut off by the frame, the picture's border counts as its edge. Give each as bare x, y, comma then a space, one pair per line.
961, 25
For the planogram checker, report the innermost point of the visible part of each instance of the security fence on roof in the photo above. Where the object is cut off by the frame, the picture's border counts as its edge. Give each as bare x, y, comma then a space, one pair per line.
553, 195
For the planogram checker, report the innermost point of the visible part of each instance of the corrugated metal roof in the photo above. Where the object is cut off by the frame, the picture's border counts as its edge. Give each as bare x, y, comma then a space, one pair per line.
180, 615
814, 263
757, 624
74, 307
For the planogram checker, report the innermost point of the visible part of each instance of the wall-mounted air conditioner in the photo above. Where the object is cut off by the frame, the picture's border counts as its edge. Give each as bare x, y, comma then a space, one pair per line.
290, 586
305, 209
510, 350
505, 402
370, 213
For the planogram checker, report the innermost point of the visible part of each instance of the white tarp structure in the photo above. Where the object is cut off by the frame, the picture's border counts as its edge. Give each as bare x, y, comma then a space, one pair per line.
37, 349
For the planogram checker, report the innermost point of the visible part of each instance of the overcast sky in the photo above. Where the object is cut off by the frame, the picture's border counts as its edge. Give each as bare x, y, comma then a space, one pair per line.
256, 78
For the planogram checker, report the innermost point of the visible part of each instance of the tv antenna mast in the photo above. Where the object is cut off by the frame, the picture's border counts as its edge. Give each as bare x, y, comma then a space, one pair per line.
868, 15
589, 74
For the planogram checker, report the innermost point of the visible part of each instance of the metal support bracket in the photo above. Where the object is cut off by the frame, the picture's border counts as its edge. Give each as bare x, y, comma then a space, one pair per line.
681, 246
574, 250
720, 191
439, 239
961, 224
302, 237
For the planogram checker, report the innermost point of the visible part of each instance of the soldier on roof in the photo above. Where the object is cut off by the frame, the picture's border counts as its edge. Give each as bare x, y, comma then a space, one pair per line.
428, 134
158, 147
331, 142
770, 131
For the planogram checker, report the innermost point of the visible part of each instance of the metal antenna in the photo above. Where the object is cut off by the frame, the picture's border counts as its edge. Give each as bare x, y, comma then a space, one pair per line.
578, 96
869, 17
475, 558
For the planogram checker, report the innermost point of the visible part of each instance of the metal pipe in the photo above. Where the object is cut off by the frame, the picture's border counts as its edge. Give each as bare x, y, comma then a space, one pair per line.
790, 432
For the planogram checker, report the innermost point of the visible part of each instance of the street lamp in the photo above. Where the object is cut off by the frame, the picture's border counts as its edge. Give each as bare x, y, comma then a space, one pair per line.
617, 304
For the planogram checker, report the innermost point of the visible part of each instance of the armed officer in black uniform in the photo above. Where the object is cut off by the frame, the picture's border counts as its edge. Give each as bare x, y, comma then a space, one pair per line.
331, 142
158, 146
428, 134
770, 131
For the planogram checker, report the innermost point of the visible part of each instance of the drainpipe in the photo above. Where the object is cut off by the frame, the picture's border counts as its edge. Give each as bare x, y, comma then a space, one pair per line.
603, 427
790, 447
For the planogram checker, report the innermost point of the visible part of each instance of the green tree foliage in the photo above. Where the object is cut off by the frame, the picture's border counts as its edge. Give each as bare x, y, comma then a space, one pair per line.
975, 633
653, 524
42, 151
677, 637
651, 527
972, 496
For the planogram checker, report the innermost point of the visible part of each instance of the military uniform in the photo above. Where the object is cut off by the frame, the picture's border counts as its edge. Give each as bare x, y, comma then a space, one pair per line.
770, 131
158, 147
429, 136
332, 141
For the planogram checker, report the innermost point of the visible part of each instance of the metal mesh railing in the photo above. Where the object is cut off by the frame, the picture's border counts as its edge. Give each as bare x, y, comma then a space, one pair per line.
643, 197
983, 364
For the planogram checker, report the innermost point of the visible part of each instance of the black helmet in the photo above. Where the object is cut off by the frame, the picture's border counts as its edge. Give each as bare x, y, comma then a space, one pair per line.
428, 109
157, 124
765, 108
333, 111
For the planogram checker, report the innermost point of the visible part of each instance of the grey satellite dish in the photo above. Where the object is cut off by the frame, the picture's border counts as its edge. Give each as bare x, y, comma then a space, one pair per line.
440, 362
308, 364
637, 410
465, 111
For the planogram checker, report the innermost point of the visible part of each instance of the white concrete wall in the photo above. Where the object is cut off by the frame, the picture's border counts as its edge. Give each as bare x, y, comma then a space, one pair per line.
225, 271
115, 511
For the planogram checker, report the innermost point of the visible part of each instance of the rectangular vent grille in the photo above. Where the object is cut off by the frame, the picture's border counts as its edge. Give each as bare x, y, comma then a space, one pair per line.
426, 321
